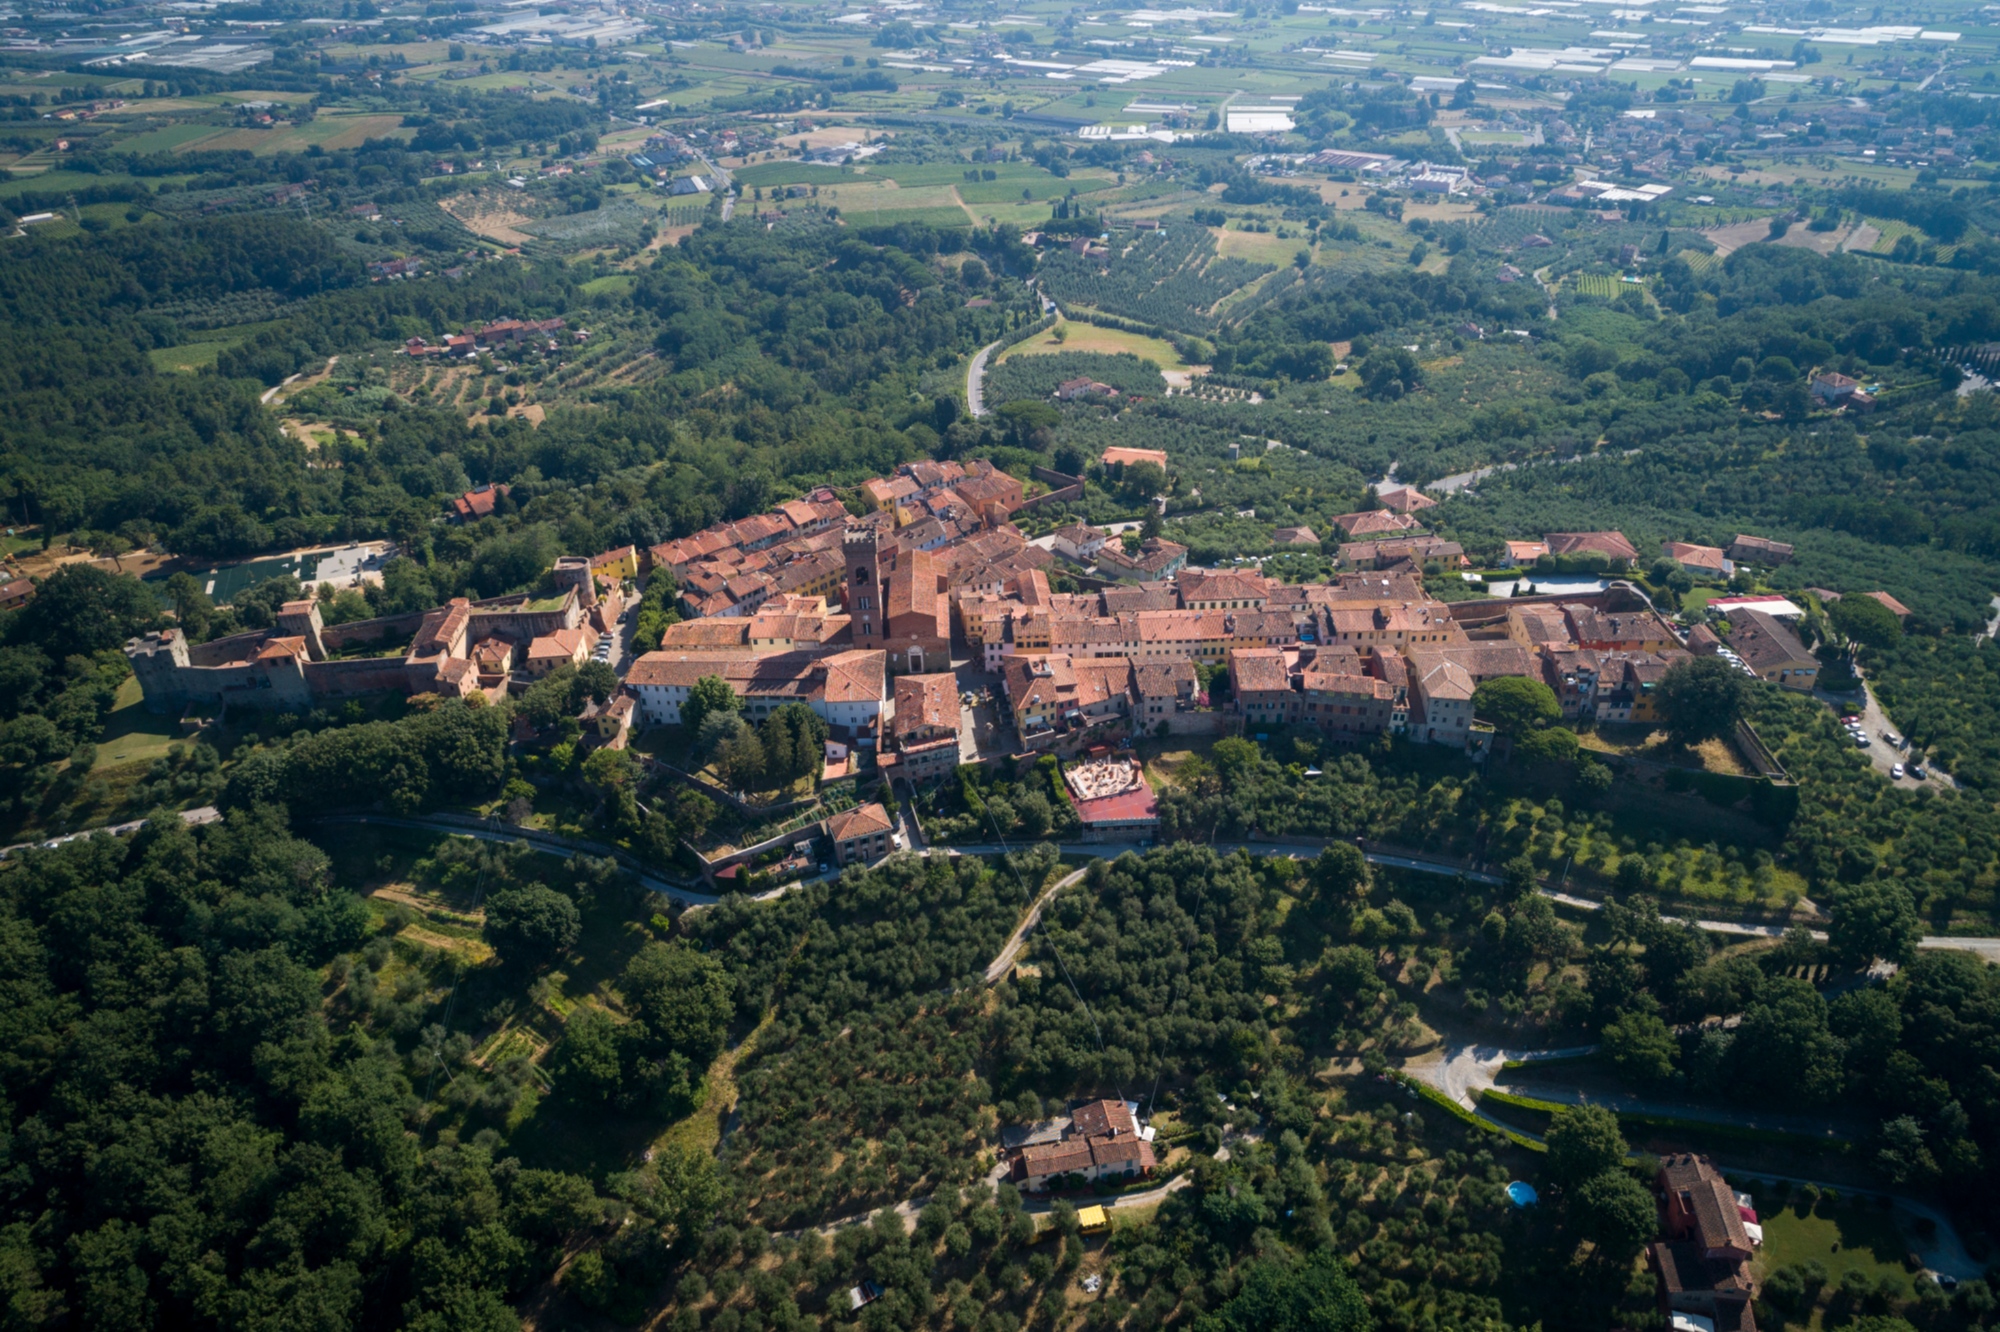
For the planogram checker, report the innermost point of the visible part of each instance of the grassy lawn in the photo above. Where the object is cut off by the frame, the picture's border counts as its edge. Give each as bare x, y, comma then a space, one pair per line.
1090, 338
1264, 247
1165, 758
132, 734
1844, 1235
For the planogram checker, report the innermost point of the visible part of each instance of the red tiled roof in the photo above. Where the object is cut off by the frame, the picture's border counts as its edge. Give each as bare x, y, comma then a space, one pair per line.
865, 821
1131, 806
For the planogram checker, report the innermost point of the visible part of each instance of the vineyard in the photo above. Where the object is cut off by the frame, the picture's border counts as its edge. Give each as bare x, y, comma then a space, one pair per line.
1171, 278
1892, 232
1601, 284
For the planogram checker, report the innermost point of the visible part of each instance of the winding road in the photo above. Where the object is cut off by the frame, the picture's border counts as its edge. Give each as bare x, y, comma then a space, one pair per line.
1987, 947
975, 379
1010, 951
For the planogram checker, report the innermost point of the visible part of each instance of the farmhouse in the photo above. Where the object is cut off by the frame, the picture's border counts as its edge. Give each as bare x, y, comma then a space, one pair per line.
1103, 1141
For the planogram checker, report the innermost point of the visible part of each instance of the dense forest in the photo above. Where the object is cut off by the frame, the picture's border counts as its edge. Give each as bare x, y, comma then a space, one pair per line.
819, 336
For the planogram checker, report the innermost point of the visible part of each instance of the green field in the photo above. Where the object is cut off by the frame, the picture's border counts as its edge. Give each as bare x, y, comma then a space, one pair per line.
58, 181
170, 138
791, 173
1082, 337
1847, 1235
885, 217
132, 734
1010, 191
186, 358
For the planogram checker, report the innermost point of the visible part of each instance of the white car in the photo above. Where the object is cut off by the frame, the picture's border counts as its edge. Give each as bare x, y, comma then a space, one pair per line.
1896, 770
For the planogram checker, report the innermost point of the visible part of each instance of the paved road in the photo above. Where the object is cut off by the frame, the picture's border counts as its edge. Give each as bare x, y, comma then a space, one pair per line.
975, 380
1987, 947
1004, 961
191, 817
1881, 755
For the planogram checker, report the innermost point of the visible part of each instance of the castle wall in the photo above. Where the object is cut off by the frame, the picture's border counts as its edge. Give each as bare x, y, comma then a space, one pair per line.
362, 675
371, 631
233, 650
520, 627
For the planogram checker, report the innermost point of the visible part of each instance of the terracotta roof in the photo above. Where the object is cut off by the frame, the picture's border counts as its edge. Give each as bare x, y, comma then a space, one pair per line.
1138, 597
1405, 499
1684, 1270
440, 627
926, 701
1138, 805
1437, 676
727, 631
1540, 624
1375, 521
1228, 585
1157, 679
1611, 544
479, 503
913, 589
1342, 684
1155, 554
1699, 557
854, 677
563, 644
1901, 611
1103, 1117
1259, 670
864, 821
1764, 642
1116, 1150
1057, 1158
1591, 625
1294, 536
1760, 545
1080, 534
1718, 1224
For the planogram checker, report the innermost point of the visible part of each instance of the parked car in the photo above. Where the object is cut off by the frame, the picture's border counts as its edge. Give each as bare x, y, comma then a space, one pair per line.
1919, 773
1896, 770
1862, 740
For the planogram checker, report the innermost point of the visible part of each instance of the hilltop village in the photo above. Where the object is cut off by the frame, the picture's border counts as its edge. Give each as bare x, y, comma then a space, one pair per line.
890, 623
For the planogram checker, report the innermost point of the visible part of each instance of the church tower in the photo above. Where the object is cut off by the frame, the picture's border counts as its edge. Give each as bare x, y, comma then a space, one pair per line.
862, 547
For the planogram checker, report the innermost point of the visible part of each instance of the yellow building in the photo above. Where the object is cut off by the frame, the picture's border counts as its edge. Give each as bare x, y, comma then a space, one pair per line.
617, 565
